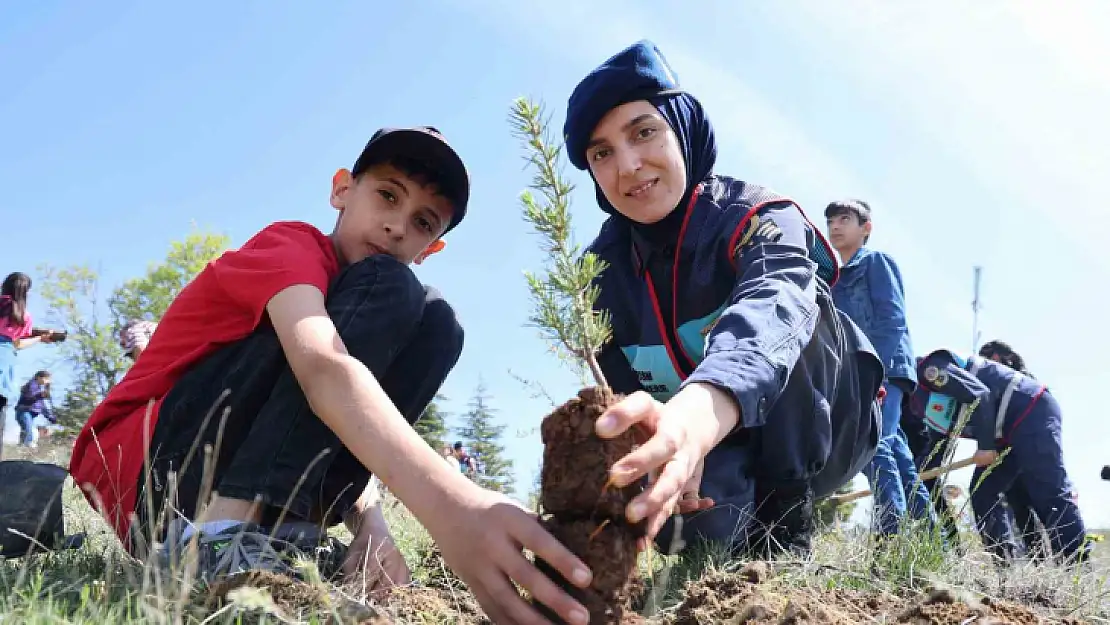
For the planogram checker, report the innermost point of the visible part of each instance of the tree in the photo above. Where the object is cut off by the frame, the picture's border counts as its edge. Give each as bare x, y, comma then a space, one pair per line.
73, 299
148, 297
91, 350
564, 297
432, 424
483, 437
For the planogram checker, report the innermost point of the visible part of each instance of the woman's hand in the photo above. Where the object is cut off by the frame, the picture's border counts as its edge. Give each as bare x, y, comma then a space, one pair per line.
679, 435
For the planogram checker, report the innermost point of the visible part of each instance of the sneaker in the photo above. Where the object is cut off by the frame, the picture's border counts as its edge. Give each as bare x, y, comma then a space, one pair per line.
225, 554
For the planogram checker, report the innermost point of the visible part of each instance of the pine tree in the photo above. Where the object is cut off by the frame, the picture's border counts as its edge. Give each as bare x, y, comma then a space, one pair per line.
432, 424
483, 440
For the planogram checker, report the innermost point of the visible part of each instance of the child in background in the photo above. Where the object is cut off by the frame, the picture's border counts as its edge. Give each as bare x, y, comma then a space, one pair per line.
16, 333
135, 336
33, 404
1017, 413
870, 292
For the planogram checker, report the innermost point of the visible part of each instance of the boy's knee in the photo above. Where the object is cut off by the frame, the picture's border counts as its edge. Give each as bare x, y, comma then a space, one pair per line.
440, 319
381, 280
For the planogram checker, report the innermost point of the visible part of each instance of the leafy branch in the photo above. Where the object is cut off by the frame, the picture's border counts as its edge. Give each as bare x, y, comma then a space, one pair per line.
565, 295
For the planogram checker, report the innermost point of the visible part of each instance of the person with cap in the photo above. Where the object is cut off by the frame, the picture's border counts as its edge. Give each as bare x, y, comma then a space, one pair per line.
755, 394
870, 291
301, 360
1016, 413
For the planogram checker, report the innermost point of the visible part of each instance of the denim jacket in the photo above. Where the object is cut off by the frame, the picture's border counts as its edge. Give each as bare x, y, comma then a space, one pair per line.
870, 292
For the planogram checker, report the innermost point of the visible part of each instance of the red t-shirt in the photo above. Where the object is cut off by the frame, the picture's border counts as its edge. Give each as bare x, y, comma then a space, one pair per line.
223, 304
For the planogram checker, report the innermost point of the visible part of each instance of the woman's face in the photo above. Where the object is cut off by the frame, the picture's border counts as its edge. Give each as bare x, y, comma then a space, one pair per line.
635, 157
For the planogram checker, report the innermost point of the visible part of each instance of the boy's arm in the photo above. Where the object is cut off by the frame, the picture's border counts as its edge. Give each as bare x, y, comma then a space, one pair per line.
771, 316
480, 532
939, 373
888, 298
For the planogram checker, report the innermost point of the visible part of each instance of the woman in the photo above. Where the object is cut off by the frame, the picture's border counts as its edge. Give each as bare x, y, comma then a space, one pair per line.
16, 333
758, 395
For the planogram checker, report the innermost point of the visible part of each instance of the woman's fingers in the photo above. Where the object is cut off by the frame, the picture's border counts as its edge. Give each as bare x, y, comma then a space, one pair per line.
638, 408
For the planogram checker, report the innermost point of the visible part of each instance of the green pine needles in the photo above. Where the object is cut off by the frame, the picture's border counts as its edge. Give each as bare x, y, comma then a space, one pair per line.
564, 296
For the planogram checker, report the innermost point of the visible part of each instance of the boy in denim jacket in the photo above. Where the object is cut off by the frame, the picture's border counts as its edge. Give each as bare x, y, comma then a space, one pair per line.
870, 292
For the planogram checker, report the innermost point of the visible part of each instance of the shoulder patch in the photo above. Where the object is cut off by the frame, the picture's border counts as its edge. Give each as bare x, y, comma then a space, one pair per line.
931, 373
759, 230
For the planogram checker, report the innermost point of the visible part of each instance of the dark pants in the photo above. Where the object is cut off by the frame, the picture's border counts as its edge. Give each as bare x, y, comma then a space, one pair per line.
1035, 463
272, 448
819, 433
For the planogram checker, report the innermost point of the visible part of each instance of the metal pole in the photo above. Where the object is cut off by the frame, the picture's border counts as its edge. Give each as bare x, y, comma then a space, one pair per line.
975, 306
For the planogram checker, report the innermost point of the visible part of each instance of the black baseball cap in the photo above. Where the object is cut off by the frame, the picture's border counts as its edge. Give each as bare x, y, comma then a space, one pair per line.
428, 144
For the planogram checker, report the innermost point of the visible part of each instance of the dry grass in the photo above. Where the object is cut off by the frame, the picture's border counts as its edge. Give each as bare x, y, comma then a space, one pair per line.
847, 580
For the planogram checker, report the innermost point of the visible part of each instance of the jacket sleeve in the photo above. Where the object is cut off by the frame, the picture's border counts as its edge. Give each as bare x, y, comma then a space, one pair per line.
772, 311
889, 300
940, 374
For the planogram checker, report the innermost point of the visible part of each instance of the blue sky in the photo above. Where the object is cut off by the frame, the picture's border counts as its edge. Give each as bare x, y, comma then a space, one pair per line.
978, 134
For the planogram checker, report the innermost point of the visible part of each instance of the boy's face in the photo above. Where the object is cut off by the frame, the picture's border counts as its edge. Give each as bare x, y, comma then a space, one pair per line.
386, 212
846, 231
636, 160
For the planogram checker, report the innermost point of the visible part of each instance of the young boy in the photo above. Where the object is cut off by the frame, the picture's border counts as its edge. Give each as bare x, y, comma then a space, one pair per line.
296, 361
870, 292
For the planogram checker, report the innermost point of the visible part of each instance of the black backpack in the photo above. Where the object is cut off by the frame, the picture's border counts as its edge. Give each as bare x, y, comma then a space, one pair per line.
31, 508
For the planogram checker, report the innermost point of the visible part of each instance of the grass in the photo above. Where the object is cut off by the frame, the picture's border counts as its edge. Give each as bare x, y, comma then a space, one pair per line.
848, 580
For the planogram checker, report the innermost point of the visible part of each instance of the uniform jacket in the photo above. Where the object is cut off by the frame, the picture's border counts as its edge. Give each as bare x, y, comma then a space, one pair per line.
1006, 397
740, 301
870, 291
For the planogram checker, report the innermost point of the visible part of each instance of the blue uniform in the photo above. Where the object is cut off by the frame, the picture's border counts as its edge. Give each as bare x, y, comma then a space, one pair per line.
741, 301
1017, 413
731, 288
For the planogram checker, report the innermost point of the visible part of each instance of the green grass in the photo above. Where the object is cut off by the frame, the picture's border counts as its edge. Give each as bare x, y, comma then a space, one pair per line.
99, 583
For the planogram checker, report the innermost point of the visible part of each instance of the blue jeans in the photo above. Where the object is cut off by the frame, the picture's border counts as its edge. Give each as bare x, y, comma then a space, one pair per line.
26, 422
892, 474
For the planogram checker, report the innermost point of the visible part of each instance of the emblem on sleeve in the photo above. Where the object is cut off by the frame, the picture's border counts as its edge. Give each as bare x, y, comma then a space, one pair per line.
931, 373
758, 230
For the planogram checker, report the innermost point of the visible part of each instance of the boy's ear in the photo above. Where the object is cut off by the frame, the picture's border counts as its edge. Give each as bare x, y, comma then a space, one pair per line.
340, 182
436, 246
867, 228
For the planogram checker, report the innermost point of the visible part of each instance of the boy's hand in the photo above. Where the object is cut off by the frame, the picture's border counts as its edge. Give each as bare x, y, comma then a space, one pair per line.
675, 444
374, 559
481, 537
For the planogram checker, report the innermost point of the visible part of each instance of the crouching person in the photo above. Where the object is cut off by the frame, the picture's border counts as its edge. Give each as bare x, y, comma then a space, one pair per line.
725, 336
1015, 413
297, 359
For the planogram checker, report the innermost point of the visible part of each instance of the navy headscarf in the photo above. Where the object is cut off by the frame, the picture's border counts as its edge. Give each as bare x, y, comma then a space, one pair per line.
640, 72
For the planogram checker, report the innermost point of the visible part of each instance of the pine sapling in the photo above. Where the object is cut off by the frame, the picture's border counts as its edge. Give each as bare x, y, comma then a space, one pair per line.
580, 507
565, 295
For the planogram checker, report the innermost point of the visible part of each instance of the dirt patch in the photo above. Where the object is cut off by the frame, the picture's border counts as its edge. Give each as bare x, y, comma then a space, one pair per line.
424, 604
741, 598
